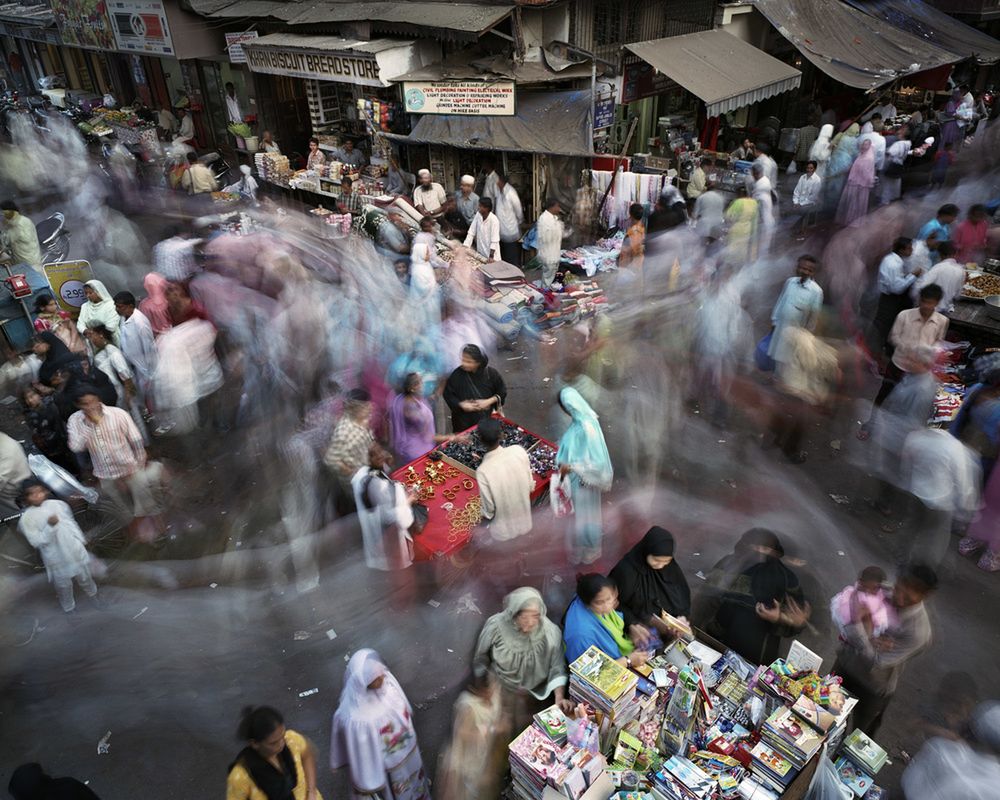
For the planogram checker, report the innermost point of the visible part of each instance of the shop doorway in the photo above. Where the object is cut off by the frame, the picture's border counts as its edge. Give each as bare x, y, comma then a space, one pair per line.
284, 110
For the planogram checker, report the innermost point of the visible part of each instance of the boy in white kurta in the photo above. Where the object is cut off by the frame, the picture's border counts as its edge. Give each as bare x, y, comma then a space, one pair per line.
48, 525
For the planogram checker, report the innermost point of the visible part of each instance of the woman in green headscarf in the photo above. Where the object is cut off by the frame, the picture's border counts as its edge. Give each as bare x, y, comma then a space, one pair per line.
844, 149
523, 647
583, 456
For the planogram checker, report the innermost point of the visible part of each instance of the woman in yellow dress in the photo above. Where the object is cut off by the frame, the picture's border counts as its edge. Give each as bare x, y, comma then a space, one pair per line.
741, 239
276, 764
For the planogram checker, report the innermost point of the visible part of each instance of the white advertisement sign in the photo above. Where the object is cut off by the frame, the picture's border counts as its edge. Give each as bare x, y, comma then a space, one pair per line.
234, 45
140, 26
461, 98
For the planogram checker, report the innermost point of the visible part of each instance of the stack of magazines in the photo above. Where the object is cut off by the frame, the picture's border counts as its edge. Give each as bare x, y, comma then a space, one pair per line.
791, 736
597, 679
679, 779
771, 768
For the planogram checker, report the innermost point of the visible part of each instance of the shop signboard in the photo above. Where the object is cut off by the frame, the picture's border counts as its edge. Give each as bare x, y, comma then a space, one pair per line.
317, 65
604, 113
234, 45
140, 26
641, 80
460, 98
67, 279
84, 23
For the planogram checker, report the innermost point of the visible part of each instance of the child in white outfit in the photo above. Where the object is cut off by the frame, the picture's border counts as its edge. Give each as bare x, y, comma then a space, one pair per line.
49, 525
864, 601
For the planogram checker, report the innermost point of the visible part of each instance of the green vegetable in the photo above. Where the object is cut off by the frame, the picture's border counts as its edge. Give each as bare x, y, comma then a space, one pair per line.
240, 129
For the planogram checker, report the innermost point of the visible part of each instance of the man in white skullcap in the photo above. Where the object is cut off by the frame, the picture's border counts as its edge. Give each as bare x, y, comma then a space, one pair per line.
466, 200
429, 197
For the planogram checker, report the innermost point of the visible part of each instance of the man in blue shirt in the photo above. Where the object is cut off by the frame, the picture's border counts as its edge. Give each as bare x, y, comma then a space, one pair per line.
941, 224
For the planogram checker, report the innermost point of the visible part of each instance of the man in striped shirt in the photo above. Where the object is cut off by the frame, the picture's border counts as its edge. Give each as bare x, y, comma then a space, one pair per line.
116, 451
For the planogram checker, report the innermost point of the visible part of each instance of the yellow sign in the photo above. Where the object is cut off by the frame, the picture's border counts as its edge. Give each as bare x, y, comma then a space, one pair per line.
66, 279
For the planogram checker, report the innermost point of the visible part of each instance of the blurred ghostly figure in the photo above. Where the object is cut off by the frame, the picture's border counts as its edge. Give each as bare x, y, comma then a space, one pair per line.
348, 448
471, 766
385, 512
29, 782
373, 734
583, 456
957, 769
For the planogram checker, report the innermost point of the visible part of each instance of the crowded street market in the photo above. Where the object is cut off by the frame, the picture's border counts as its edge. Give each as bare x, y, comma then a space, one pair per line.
500, 400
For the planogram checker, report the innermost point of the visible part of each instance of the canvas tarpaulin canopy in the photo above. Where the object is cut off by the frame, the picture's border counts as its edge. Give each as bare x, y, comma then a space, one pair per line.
716, 67
850, 46
557, 123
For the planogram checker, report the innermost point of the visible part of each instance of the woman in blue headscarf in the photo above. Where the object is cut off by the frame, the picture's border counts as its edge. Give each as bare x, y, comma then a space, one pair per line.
583, 456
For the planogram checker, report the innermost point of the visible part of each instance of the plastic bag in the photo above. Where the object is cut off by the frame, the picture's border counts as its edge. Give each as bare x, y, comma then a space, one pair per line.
59, 480
763, 361
560, 495
826, 784
791, 169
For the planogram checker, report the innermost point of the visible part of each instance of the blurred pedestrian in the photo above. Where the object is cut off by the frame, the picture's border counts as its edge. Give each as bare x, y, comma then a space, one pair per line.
29, 782
743, 219
373, 734
14, 471
277, 762
943, 159
507, 206
138, 343
798, 306
385, 513
970, 237
947, 273
583, 457
941, 224
854, 200
549, 237
484, 231
763, 192
347, 451
709, 212
759, 599
634, 244
895, 279
871, 665
110, 360
475, 758
49, 525
154, 306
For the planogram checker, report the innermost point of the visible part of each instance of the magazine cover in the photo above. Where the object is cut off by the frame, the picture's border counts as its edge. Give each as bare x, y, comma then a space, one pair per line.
817, 716
603, 673
540, 754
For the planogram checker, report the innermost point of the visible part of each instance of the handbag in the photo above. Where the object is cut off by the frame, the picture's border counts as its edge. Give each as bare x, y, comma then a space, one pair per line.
763, 361
560, 495
420, 515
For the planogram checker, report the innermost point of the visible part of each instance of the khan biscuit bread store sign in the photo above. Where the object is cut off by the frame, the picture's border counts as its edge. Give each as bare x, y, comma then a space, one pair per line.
462, 98
313, 64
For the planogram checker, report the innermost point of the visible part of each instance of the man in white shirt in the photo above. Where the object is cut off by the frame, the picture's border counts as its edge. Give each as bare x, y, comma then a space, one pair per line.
135, 334
699, 179
489, 178
233, 110
894, 283
925, 253
805, 198
485, 231
505, 484
798, 306
763, 193
429, 197
549, 232
186, 132
507, 206
709, 212
947, 273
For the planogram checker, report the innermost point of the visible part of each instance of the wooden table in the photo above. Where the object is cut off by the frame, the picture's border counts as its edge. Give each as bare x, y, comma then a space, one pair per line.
975, 318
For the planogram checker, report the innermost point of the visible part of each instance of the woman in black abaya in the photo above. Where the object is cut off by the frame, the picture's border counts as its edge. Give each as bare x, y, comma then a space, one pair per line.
650, 581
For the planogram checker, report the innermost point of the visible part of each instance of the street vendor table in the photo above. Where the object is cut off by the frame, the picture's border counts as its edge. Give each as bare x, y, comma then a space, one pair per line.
453, 508
974, 316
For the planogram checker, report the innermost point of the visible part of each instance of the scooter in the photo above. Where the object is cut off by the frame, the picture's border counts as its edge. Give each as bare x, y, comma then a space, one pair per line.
53, 237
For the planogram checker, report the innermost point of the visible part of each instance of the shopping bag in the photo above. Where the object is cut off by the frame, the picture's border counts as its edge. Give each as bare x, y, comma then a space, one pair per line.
826, 783
559, 495
763, 361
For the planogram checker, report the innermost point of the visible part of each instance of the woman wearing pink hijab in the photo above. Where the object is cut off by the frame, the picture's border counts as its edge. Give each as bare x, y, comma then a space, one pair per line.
154, 306
860, 181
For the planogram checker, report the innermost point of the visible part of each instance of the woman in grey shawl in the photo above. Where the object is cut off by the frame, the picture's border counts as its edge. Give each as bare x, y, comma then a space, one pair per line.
524, 649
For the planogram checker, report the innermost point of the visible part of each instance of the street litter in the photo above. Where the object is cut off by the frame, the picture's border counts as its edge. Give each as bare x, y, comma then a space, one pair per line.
331, 634
308, 692
104, 746
300, 636
143, 611
433, 603
840, 499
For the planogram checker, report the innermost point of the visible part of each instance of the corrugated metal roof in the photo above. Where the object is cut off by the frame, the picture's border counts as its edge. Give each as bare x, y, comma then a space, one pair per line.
723, 71
930, 24
34, 15
556, 123
303, 41
849, 46
467, 17
539, 66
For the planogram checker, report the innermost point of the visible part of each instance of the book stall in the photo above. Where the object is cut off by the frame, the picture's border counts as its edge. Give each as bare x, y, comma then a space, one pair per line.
445, 481
697, 722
